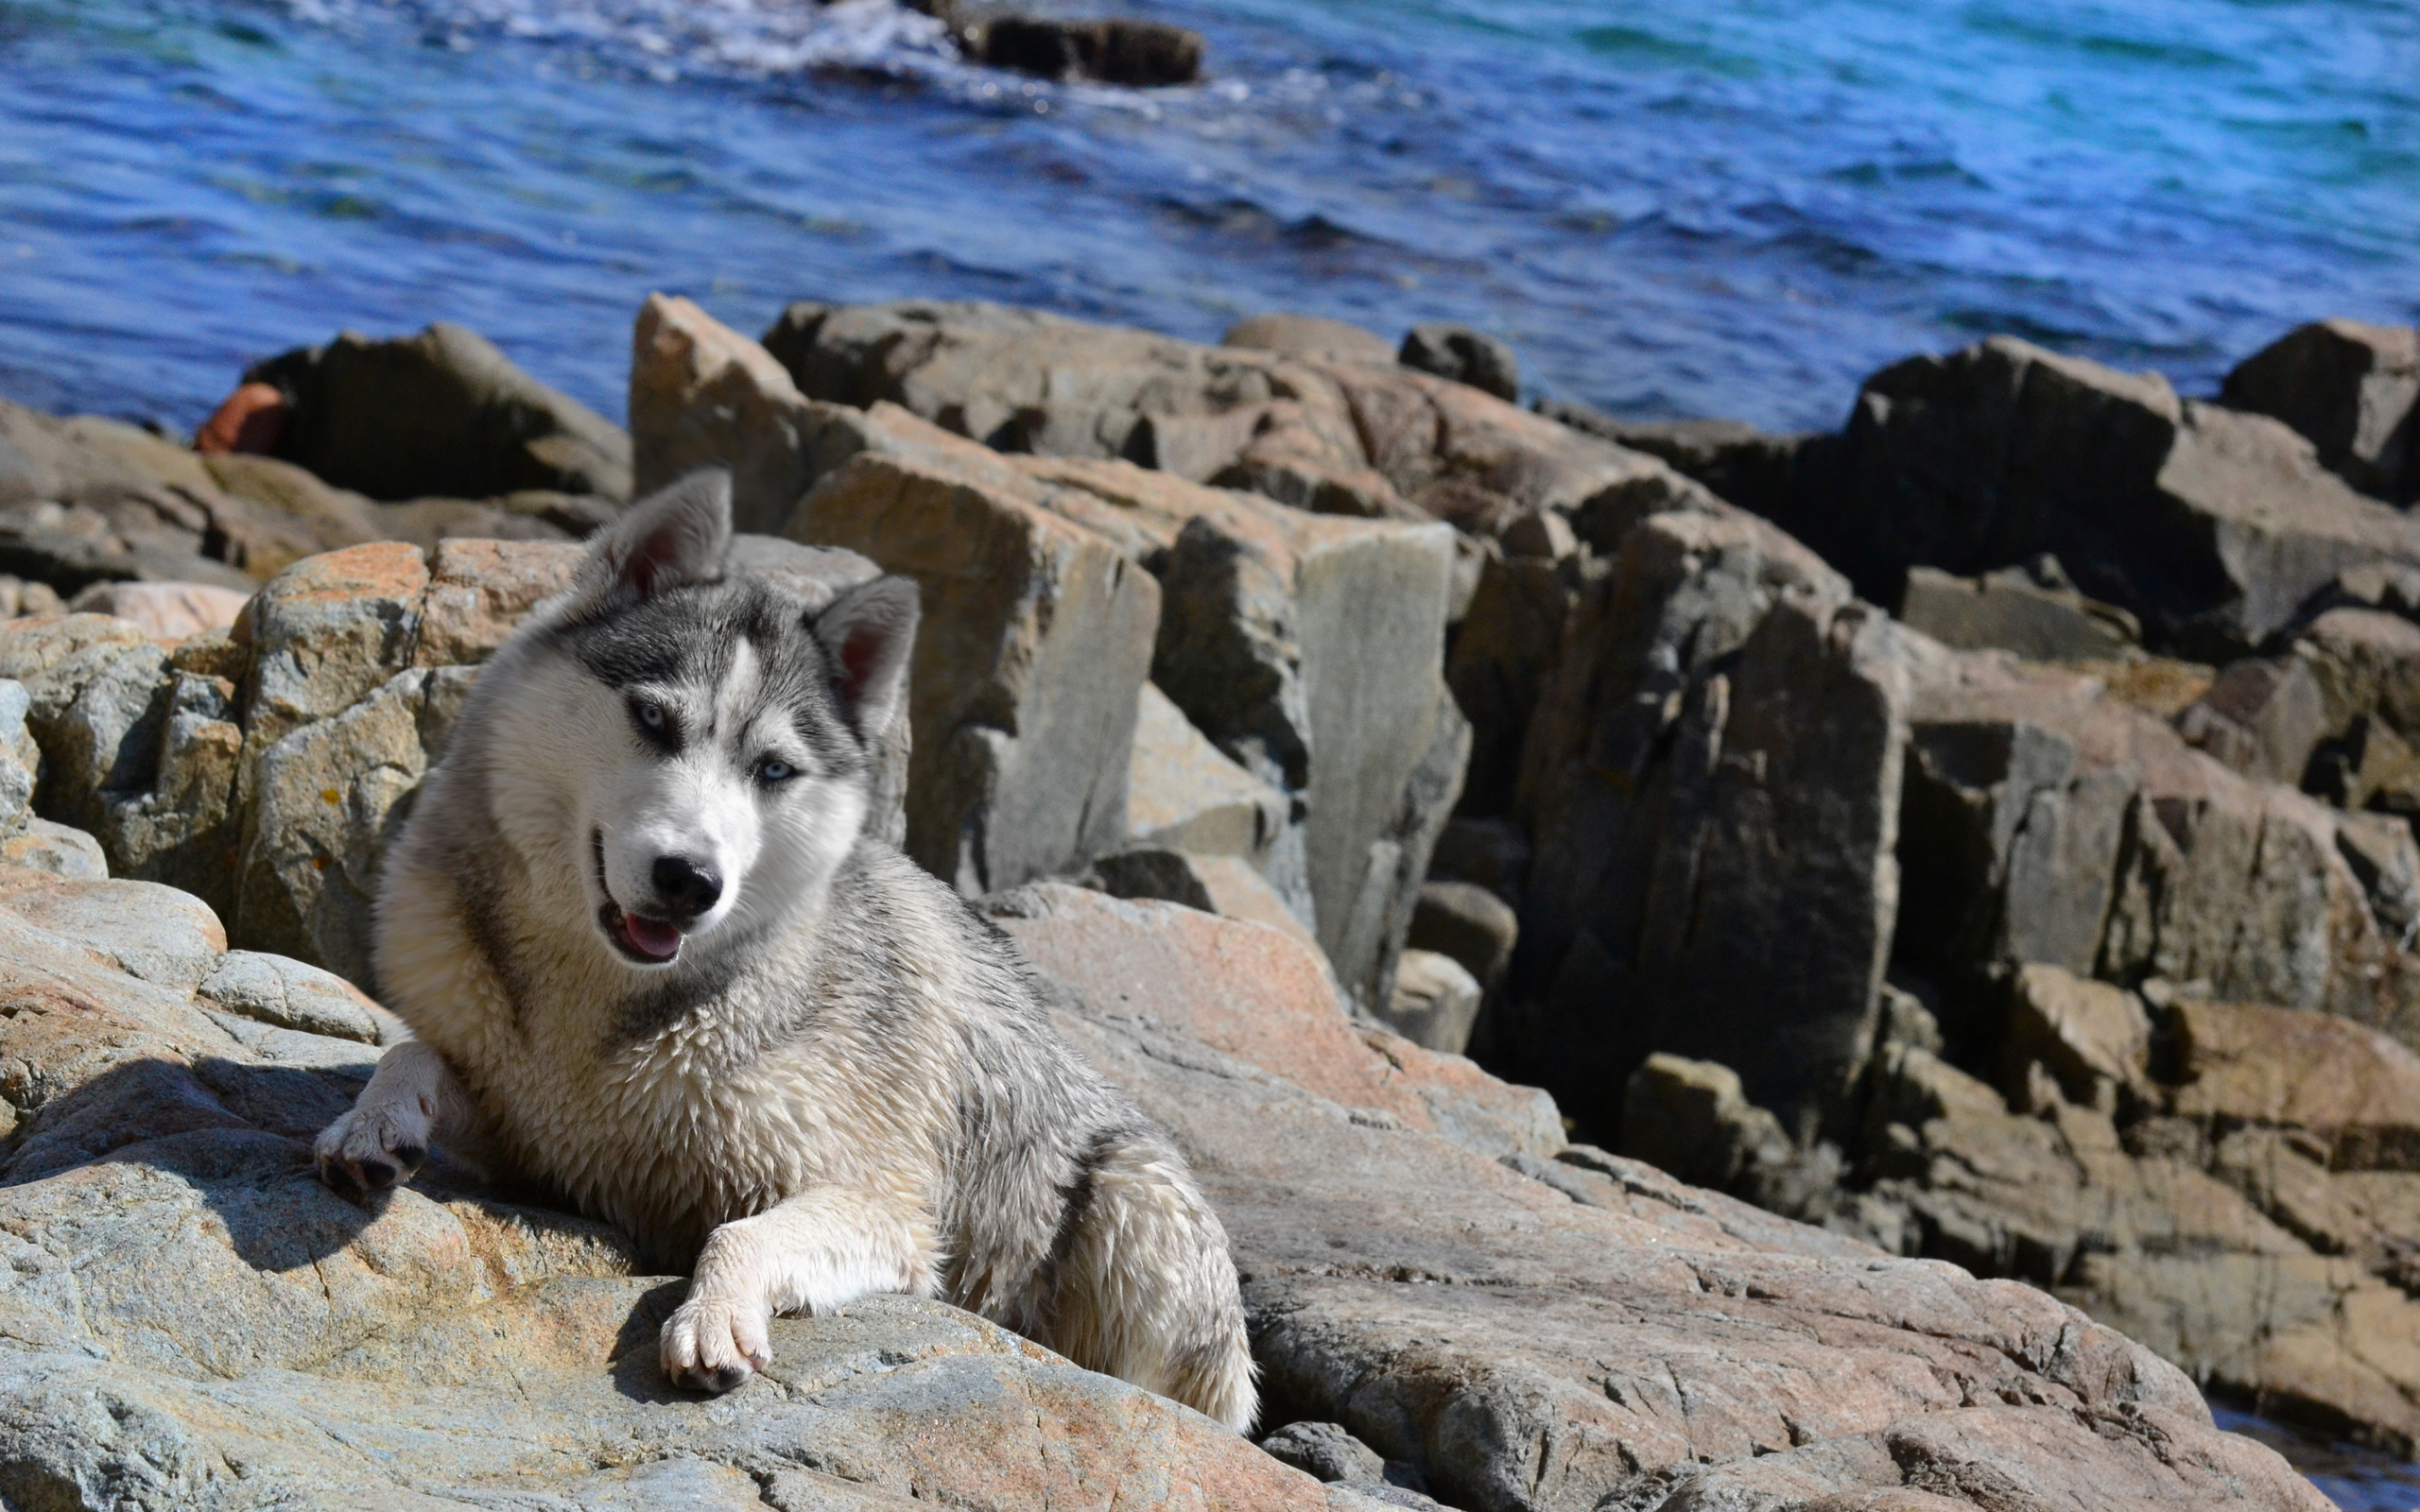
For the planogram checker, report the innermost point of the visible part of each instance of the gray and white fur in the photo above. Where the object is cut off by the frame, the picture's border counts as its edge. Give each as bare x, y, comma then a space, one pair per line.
651, 962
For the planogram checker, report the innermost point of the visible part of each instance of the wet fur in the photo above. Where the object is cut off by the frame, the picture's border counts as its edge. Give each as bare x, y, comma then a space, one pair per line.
845, 1083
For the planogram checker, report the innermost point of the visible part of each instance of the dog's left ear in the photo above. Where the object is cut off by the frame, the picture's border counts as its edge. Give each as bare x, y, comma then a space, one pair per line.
867, 633
674, 536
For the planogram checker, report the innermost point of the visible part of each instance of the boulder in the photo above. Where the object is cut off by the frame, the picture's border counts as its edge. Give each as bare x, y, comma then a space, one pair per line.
1183, 793
2352, 390
1434, 1002
2263, 716
1029, 661
1465, 356
2356, 1090
1474, 926
1528, 1341
1793, 480
1719, 754
251, 420
1309, 336
166, 611
2092, 1039
86, 500
1122, 50
19, 597
439, 413
1226, 885
1689, 1118
1503, 658
1338, 436
2013, 610
2212, 526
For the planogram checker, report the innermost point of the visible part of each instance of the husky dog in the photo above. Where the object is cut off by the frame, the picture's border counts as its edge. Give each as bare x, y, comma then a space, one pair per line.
651, 961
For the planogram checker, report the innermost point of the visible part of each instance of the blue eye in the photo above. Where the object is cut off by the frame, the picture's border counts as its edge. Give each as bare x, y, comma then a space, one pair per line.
651, 715
771, 772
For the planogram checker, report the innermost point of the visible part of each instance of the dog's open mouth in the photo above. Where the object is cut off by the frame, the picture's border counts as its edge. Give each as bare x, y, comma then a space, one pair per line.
642, 941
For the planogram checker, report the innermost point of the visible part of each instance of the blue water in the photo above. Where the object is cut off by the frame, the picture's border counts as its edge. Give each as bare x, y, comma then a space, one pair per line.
1672, 207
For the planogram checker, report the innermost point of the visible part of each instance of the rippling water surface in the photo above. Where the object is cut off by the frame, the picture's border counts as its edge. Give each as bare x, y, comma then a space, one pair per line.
1724, 207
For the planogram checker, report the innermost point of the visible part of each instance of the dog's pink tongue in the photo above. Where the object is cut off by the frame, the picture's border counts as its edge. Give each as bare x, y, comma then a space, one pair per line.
662, 941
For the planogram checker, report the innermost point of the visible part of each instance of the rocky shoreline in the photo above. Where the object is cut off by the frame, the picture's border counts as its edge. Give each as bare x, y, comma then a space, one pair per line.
1315, 716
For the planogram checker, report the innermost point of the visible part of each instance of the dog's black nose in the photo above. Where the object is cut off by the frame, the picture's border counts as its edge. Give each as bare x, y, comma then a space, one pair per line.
686, 885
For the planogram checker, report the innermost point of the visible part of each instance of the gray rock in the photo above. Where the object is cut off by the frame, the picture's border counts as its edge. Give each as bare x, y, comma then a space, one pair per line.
1121, 50
2352, 389
1337, 436
2213, 526
18, 596
1793, 480
2009, 610
57, 849
1465, 356
20, 759
1309, 336
1689, 1118
1433, 1003
439, 413
1467, 921
1325, 1452
1721, 751
1029, 661
1503, 661
2263, 717
1183, 794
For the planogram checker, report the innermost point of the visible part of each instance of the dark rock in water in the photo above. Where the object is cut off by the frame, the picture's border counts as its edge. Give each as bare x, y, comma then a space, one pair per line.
1138, 54
440, 413
2014, 610
1314, 336
2352, 389
1464, 355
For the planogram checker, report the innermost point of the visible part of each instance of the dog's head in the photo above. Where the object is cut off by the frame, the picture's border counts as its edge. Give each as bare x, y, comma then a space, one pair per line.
712, 736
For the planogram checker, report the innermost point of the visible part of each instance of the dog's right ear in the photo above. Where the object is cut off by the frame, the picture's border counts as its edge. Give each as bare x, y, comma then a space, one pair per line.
674, 536
867, 634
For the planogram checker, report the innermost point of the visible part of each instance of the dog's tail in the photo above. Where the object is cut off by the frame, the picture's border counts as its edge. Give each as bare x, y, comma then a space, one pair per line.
1146, 1288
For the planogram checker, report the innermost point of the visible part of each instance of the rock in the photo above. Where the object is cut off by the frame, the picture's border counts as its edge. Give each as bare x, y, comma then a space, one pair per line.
1527, 1344
1183, 793
166, 611
1253, 992
1029, 661
1720, 752
1325, 1452
2093, 1038
1474, 926
1309, 336
2351, 389
1465, 356
20, 759
1138, 54
168, 1232
439, 413
1336, 436
1491, 854
1689, 1118
2354, 1087
1434, 1002
86, 500
2027, 786
251, 420
1502, 661
2385, 861
57, 849
2263, 717
18, 598
1226, 885
2009, 610
1793, 480
2212, 526
2367, 666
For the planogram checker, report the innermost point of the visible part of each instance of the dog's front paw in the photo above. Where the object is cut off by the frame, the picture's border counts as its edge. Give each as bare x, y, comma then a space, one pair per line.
714, 1342
370, 1149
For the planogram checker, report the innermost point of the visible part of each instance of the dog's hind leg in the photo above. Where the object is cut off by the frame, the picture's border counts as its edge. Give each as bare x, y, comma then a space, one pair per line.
1146, 1288
412, 1101
819, 1250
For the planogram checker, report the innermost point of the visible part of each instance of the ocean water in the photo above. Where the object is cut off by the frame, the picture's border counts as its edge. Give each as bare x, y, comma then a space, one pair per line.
2356, 1479
1671, 207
